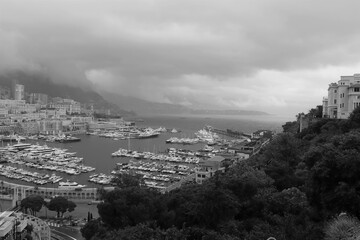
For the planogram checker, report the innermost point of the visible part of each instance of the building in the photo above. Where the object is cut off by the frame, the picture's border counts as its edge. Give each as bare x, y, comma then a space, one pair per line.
30, 127
3, 112
12, 225
343, 97
209, 167
19, 92
68, 105
38, 98
102, 125
53, 113
48, 126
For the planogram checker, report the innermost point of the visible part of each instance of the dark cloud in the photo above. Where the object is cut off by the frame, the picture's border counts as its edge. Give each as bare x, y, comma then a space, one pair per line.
187, 51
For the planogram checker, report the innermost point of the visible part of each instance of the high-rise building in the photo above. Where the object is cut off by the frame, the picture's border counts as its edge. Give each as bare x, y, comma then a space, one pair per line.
343, 97
38, 98
19, 92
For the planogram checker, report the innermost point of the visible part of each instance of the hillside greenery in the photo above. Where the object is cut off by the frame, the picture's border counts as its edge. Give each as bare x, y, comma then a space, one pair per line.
295, 188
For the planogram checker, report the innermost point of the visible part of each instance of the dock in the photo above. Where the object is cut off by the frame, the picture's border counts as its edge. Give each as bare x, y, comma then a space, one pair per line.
230, 133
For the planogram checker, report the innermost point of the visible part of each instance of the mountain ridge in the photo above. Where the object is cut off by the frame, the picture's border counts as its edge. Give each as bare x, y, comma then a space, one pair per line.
36, 82
143, 107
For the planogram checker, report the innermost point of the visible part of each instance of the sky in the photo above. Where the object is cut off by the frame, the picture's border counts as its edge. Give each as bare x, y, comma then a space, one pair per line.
275, 56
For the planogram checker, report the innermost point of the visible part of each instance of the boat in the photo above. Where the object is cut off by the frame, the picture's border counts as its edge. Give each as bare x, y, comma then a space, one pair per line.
68, 139
22, 146
148, 135
70, 185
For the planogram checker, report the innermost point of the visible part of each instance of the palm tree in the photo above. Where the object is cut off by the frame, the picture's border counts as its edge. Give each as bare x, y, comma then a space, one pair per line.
343, 227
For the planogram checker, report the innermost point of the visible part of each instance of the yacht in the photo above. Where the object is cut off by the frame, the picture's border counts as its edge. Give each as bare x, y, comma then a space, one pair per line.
70, 185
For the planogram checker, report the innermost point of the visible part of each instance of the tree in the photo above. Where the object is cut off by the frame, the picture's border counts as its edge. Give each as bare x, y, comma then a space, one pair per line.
291, 127
92, 228
354, 119
34, 203
61, 205
334, 175
129, 206
343, 227
279, 160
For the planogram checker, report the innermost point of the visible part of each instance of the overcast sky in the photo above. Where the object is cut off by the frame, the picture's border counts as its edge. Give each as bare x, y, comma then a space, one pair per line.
276, 56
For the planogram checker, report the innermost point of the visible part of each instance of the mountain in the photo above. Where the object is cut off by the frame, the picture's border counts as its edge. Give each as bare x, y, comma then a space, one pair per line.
35, 82
143, 107
227, 112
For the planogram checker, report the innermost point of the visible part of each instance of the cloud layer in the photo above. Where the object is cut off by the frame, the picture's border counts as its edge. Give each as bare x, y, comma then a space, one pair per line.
277, 56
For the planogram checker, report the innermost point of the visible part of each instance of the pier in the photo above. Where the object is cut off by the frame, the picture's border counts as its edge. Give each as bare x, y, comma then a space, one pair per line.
230, 133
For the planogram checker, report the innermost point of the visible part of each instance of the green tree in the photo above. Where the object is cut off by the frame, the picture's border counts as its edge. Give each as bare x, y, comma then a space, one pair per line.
92, 228
279, 160
129, 206
34, 203
60, 205
343, 227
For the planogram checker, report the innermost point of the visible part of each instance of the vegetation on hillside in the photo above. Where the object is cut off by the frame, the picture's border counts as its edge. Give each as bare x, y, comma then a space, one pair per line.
295, 188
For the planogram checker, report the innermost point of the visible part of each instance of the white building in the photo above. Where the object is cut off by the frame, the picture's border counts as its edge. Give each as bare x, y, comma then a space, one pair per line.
208, 168
19, 92
343, 97
12, 225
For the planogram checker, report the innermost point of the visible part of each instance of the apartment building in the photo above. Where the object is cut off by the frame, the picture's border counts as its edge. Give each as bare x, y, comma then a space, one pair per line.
343, 97
19, 92
38, 98
209, 167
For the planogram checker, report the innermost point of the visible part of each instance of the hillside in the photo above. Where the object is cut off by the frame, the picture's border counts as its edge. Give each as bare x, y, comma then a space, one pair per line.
300, 186
40, 83
143, 107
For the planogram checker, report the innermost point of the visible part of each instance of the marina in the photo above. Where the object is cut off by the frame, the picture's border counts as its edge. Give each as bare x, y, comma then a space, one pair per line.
90, 162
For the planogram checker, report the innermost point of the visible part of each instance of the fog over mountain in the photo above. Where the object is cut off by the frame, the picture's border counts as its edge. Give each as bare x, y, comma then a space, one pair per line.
37, 82
277, 56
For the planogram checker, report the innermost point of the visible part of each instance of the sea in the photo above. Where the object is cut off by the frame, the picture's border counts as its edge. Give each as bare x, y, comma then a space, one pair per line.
96, 151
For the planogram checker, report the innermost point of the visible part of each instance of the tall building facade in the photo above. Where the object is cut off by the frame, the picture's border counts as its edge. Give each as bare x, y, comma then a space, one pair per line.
38, 98
343, 97
19, 92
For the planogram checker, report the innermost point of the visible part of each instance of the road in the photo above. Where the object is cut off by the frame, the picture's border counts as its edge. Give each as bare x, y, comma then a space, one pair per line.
67, 233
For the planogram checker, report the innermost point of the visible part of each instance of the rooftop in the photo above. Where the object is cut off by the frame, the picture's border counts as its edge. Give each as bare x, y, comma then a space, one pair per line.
216, 159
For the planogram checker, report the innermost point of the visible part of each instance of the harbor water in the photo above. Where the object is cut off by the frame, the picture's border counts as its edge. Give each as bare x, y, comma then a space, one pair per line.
96, 151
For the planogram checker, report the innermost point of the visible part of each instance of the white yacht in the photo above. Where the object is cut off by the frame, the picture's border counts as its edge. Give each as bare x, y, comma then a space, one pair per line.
70, 185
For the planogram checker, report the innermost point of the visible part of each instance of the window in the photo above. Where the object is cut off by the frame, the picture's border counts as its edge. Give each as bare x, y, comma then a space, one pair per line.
334, 101
335, 91
356, 89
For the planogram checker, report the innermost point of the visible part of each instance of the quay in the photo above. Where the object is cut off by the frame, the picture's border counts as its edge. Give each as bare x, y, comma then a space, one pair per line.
230, 133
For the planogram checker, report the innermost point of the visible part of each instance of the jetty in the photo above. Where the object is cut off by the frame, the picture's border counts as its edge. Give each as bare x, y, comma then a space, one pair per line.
230, 133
